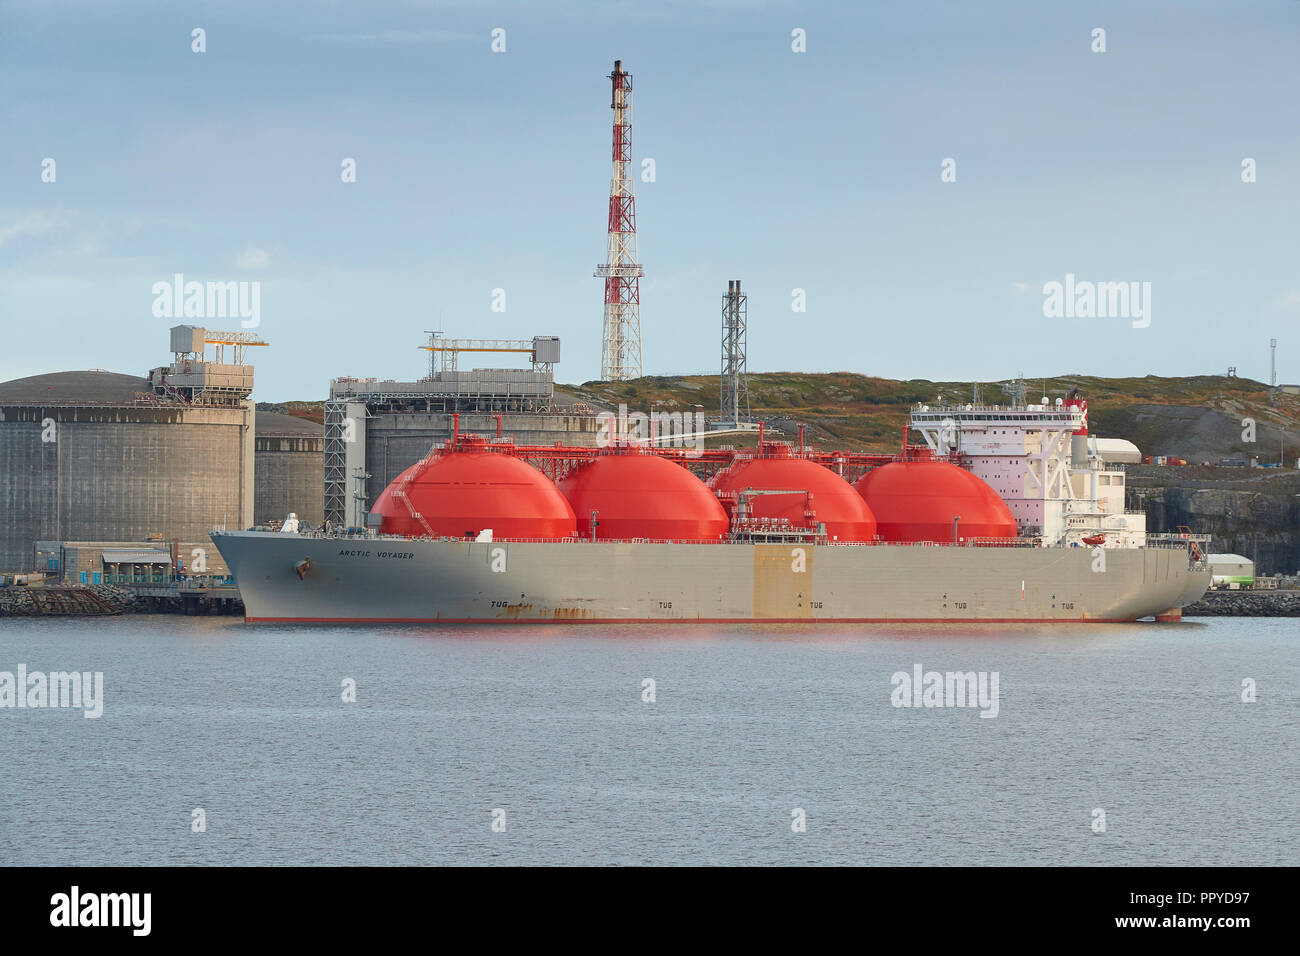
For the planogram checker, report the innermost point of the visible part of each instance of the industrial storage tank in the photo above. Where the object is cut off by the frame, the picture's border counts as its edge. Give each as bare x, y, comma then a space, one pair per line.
833, 500
919, 500
640, 495
1117, 451
288, 469
96, 456
465, 489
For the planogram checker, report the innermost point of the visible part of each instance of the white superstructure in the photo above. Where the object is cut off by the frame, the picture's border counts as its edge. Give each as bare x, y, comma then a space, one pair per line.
1043, 463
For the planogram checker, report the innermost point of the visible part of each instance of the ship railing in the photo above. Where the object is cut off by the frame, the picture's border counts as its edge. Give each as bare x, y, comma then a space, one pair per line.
1197, 546
774, 536
497, 540
1034, 542
1153, 540
964, 542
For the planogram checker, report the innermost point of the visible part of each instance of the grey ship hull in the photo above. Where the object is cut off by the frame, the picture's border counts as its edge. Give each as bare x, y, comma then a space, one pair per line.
396, 579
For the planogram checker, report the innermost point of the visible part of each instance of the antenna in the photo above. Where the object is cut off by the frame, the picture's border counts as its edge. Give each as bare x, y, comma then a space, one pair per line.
435, 354
1016, 390
1272, 371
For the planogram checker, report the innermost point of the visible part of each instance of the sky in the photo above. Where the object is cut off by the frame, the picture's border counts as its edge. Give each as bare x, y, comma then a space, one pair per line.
821, 170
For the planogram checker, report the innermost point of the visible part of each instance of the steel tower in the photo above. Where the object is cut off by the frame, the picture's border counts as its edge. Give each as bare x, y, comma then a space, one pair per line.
735, 381
620, 357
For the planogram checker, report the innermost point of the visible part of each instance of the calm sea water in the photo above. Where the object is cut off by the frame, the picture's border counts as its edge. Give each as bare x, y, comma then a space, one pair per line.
548, 724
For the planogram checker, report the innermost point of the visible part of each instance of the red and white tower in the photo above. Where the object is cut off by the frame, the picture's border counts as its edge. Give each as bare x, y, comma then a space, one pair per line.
620, 356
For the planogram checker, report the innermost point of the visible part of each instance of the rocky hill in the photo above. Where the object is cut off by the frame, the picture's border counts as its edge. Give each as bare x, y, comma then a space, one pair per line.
1253, 512
1198, 418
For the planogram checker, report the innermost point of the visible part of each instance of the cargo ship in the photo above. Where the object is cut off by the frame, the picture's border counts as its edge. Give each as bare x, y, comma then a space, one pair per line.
1005, 513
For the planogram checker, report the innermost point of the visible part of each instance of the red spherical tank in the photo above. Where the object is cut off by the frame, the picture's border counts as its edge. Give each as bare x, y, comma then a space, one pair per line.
390, 509
643, 496
917, 501
459, 493
833, 500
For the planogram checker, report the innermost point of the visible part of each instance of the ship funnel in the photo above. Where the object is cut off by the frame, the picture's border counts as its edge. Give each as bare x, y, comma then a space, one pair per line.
1079, 451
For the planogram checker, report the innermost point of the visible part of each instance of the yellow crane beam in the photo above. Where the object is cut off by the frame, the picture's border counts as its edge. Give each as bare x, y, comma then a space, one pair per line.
240, 341
232, 338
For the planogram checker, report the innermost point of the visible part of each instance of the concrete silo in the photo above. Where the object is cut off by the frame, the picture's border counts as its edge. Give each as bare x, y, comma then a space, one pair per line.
99, 456
288, 467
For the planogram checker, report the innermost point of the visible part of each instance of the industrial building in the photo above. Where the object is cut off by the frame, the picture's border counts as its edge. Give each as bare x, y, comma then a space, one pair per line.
117, 562
375, 430
1231, 571
94, 464
97, 456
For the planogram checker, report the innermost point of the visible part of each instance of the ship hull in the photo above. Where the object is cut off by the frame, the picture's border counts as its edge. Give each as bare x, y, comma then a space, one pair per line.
292, 578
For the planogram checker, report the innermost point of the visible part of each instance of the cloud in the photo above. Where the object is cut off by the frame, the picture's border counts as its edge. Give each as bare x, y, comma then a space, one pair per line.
253, 258
27, 225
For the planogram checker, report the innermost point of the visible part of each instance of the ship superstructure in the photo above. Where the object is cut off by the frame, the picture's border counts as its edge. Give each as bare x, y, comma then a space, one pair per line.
1043, 463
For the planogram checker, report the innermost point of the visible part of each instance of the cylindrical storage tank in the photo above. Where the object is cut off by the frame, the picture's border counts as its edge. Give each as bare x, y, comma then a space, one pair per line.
83, 457
834, 502
288, 468
918, 500
643, 496
460, 493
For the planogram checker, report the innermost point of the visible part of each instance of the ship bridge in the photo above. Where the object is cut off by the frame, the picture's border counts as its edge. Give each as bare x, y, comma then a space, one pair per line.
1042, 461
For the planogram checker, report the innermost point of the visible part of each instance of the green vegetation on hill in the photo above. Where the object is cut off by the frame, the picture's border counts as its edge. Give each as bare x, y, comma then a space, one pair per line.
1198, 418
859, 412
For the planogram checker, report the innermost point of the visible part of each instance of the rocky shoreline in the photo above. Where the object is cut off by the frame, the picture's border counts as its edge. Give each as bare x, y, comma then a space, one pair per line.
1246, 604
74, 601
102, 600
